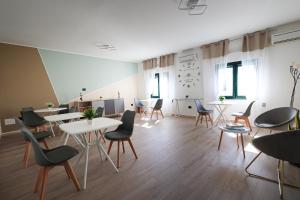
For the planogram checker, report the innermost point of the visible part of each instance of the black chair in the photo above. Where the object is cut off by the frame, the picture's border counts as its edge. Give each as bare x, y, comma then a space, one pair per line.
32, 120
202, 112
122, 133
48, 159
284, 146
139, 106
99, 112
157, 107
65, 110
39, 136
276, 119
244, 116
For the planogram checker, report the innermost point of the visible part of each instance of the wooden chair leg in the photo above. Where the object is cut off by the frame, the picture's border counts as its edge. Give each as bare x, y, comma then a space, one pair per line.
123, 146
71, 173
118, 155
38, 180
161, 114
151, 114
156, 114
220, 140
237, 141
201, 119
206, 120
44, 182
27, 153
249, 125
211, 121
109, 147
132, 148
45, 144
242, 140
102, 136
66, 169
236, 119
197, 120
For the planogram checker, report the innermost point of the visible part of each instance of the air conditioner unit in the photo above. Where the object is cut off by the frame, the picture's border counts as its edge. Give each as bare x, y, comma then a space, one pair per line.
285, 37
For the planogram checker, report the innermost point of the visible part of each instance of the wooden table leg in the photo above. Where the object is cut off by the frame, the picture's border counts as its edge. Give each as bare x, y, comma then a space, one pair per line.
242, 140
220, 139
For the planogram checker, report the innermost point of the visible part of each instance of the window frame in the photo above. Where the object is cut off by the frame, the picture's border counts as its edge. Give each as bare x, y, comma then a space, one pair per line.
156, 75
235, 65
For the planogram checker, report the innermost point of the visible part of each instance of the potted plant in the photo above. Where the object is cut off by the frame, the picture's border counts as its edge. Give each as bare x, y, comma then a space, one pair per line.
221, 98
89, 114
50, 104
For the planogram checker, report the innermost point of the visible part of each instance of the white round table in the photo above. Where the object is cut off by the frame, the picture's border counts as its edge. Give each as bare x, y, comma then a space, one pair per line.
238, 131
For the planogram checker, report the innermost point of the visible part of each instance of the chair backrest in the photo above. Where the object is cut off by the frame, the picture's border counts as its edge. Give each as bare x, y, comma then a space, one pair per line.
199, 106
40, 156
127, 122
276, 117
158, 104
30, 118
138, 103
99, 112
65, 110
22, 125
27, 109
248, 110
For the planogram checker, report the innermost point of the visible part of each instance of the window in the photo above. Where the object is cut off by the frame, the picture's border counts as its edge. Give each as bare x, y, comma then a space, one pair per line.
155, 87
236, 81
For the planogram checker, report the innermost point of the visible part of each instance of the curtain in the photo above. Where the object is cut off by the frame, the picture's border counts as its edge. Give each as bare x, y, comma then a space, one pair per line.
166, 60
167, 85
215, 50
256, 40
257, 70
150, 63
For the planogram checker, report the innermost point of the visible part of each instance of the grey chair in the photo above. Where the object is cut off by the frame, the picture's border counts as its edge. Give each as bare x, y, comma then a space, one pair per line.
39, 136
32, 120
244, 116
156, 108
284, 146
202, 112
122, 133
276, 119
49, 158
99, 112
139, 106
65, 110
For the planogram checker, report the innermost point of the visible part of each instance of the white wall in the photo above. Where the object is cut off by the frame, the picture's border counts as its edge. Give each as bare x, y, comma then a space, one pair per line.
281, 56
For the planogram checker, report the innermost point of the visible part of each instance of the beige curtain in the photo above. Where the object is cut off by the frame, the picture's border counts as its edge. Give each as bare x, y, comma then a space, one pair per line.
214, 50
150, 63
166, 60
256, 40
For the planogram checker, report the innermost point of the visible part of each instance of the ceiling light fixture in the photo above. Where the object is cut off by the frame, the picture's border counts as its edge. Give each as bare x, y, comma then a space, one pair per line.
106, 47
194, 7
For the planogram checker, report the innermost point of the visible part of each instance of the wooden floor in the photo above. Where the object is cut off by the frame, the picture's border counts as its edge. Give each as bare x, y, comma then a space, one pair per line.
176, 161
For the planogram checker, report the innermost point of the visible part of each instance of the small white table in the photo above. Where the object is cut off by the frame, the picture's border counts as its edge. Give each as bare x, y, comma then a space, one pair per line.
80, 130
221, 108
49, 110
238, 132
59, 119
177, 100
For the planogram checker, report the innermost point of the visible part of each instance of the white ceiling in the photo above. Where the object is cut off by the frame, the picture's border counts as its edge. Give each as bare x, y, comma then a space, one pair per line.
139, 29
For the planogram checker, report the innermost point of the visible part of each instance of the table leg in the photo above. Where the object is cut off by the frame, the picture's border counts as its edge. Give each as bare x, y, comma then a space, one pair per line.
242, 140
86, 166
220, 139
66, 138
99, 145
53, 134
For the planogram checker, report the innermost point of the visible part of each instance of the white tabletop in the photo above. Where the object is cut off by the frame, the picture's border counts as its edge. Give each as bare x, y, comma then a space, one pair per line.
45, 110
83, 126
220, 103
242, 130
66, 116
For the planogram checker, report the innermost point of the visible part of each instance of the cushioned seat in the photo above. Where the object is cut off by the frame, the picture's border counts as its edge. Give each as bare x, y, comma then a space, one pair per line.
117, 135
60, 154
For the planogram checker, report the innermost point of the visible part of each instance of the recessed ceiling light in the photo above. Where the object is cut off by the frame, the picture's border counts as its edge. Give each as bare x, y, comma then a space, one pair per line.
106, 47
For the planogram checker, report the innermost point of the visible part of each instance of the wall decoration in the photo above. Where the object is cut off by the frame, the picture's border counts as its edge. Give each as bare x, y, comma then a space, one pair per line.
188, 70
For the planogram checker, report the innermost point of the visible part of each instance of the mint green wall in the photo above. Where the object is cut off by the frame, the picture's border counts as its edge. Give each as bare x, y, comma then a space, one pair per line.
69, 73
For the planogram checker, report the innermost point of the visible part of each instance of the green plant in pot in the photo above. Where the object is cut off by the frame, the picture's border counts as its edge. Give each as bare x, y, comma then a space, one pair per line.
50, 104
89, 114
221, 98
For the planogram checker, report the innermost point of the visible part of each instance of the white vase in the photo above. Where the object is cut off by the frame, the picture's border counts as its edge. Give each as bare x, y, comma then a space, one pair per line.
89, 121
